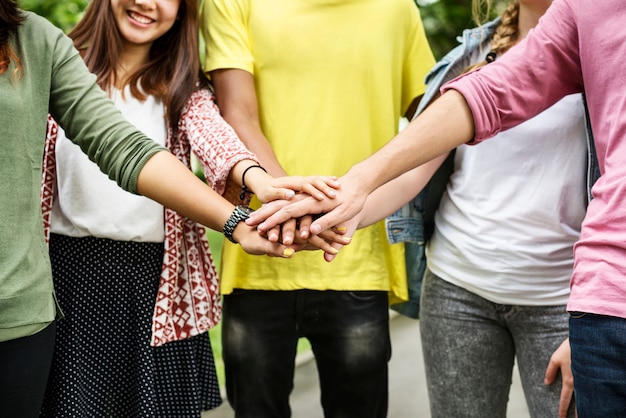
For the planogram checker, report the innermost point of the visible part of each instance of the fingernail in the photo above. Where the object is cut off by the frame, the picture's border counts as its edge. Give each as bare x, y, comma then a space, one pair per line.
315, 229
348, 239
290, 194
333, 250
288, 252
342, 229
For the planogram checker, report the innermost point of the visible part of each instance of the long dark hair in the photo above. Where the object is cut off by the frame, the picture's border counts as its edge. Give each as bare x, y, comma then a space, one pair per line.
11, 18
173, 70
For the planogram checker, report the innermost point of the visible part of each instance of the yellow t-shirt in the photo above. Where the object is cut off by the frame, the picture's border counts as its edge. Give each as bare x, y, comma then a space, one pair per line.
333, 78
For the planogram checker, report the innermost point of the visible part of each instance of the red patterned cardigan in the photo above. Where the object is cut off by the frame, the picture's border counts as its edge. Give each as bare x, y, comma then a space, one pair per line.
188, 299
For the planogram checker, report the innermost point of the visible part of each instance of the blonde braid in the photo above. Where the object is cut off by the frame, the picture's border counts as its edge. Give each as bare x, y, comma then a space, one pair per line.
505, 35
507, 31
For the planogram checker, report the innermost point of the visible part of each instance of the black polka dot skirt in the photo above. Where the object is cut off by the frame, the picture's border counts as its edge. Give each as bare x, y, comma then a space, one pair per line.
103, 363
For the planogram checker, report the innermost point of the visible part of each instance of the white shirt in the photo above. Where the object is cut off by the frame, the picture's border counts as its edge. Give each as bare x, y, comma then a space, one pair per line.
88, 203
512, 212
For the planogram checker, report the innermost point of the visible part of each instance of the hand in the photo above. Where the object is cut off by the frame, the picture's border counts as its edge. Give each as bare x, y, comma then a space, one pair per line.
336, 237
269, 189
284, 232
348, 202
292, 230
561, 360
329, 241
297, 231
348, 229
254, 243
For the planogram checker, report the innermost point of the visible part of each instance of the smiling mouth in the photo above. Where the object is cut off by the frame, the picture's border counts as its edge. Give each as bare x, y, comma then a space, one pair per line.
139, 18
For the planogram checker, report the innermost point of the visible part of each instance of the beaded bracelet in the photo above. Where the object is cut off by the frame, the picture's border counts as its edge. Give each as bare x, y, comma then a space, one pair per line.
244, 189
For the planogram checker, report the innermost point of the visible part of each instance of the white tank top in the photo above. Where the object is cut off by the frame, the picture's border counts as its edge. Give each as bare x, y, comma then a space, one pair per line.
506, 226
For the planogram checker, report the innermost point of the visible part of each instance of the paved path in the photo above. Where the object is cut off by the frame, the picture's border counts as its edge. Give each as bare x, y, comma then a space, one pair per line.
407, 389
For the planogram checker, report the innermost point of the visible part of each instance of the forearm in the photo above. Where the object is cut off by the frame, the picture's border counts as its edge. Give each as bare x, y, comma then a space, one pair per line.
391, 196
440, 128
443, 126
251, 174
256, 142
166, 180
236, 97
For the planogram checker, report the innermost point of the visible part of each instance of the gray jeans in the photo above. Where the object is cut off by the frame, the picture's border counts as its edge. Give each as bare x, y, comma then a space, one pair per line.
470, 345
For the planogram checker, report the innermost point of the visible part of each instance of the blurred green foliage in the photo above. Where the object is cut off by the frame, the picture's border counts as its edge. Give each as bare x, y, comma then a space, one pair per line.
443, 20
64, 14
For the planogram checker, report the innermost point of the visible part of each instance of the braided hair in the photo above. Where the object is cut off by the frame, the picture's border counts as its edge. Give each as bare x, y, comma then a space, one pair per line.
505, 35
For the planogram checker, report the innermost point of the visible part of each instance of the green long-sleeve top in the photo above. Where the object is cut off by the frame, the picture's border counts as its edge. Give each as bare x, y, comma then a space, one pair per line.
53, 79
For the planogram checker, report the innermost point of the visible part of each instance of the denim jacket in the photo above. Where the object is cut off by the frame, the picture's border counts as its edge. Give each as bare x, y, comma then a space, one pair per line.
413, 224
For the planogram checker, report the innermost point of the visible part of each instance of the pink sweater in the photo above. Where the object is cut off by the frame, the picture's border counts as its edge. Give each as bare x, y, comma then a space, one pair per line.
579, 45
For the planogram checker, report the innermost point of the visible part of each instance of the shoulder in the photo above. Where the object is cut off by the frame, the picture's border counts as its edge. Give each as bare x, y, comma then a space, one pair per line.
35, 24
40, 38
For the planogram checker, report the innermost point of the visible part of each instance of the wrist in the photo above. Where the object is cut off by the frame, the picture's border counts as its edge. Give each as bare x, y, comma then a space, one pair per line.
239, 214
240, 232
360, 177
245, 189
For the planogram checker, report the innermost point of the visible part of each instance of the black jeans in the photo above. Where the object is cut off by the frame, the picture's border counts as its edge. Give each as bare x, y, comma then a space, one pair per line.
349, 336
24, 367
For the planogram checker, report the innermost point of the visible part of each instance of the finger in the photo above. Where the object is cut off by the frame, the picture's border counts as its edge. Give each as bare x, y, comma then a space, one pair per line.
316, 193
551, 373
285, 252
255, 244
271, 218
273, 250
331, 236
277, 193
328, 220
274, 234
303, 228
299, 182
288, 231
567, 392
265, 211
326, 186
329, 255
564, 404
323, 245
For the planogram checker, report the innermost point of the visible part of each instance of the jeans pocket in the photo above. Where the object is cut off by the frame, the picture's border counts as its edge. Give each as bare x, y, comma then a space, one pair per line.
365, 295
576, 314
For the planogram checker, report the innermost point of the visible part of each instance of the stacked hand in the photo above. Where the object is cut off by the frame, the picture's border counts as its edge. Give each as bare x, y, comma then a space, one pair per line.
311, 222
293, 234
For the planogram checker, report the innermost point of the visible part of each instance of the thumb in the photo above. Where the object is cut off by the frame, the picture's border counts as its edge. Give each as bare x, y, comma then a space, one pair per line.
275, 193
